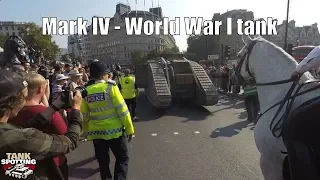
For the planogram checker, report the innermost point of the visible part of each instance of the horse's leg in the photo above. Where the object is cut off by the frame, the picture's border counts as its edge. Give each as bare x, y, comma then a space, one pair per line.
271, 159
271, 167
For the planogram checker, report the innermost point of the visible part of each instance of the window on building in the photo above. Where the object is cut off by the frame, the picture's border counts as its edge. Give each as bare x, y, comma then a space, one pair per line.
7, 28
125, 48
8, 34
0, 28
149, 47
12, 27
13, 33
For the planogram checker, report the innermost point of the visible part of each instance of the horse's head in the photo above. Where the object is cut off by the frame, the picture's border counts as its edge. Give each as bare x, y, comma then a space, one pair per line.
244, 73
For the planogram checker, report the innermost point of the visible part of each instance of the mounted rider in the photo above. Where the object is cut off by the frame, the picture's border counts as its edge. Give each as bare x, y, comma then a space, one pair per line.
312, 61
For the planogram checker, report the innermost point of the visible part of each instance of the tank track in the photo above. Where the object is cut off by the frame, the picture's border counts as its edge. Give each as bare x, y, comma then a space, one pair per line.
158, 91
207, 94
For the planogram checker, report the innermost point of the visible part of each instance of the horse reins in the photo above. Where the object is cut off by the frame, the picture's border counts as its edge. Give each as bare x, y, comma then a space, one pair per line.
288, 99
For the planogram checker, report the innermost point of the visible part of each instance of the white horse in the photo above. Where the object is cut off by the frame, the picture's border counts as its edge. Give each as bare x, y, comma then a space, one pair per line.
269, 63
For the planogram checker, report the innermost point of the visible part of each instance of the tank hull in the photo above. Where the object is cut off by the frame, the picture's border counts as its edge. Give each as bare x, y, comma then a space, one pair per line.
176, 79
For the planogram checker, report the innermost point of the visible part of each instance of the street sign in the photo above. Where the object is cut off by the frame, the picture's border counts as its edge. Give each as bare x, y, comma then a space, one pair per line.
213, 57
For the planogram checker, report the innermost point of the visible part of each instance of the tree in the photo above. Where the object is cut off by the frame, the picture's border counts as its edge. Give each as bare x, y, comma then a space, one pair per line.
65, 58
202, 46
42, 44
3, 38
72, 56
138, 58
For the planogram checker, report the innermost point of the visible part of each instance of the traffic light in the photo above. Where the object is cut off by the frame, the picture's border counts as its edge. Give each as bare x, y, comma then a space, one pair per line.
290, 49
227, 51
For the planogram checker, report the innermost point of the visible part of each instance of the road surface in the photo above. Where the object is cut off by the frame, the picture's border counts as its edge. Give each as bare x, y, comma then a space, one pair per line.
185, 143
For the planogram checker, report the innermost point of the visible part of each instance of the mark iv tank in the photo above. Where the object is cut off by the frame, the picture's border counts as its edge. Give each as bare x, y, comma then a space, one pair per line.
172, 76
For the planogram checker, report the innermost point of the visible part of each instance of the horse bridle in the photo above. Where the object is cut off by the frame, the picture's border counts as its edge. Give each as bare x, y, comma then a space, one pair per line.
241, 79
288, 99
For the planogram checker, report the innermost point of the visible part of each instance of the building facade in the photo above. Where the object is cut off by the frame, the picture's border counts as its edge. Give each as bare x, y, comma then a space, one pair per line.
61, 52
76, 46
306, 35
298, 36
234, 40
11, 28
117, 46
87, 46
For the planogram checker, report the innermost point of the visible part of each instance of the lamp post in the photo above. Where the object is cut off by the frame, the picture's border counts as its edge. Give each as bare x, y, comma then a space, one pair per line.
287, 23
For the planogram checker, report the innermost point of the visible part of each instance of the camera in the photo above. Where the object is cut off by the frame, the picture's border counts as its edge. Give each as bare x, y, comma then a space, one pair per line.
65, 95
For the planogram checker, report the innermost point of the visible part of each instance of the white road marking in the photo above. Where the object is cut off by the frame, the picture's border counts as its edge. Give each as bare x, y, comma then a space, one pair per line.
197, 132
175, 133
154, 134
133, 135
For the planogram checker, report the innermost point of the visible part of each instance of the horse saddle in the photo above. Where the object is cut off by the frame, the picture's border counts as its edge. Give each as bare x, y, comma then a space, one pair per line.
300, 133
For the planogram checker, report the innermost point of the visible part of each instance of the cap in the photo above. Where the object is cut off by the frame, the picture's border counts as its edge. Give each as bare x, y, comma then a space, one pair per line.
97, 69
10, 83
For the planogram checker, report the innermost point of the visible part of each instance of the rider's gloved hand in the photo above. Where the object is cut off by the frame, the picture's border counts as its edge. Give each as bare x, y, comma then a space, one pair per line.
295, 76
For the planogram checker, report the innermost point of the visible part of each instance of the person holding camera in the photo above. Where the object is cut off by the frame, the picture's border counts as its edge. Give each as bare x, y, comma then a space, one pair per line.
107, 122
41, 146
37, 86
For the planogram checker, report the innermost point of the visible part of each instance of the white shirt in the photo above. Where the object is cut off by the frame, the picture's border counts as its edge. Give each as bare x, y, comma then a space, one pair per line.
312, 61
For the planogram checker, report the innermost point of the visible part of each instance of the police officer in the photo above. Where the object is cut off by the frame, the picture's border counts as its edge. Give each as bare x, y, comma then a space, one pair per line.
251, 101
107, 122
129, 91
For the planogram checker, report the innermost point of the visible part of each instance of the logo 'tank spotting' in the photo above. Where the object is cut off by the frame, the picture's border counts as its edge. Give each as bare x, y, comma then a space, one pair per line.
18, 165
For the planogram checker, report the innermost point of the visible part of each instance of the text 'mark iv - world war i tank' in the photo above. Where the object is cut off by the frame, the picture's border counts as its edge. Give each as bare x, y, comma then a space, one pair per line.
171, 76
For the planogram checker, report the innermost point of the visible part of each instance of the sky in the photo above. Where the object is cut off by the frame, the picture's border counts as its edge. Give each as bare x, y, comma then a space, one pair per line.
304, 12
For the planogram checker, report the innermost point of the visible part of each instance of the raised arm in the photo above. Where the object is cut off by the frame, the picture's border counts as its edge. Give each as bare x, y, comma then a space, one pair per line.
41, 145
312, 61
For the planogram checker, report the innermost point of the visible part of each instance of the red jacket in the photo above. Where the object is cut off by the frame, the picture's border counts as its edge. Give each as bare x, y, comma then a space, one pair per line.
57, 125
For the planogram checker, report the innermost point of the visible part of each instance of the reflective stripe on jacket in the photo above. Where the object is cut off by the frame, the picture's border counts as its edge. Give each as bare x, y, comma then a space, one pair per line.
105, 113
128, 90
249, 91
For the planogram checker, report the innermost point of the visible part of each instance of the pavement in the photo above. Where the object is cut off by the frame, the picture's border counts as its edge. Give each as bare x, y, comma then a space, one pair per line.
238, 95
184, 143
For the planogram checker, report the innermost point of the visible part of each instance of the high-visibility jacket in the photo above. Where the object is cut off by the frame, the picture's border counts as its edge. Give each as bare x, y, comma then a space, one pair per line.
128, 90
249, 91
105, 113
